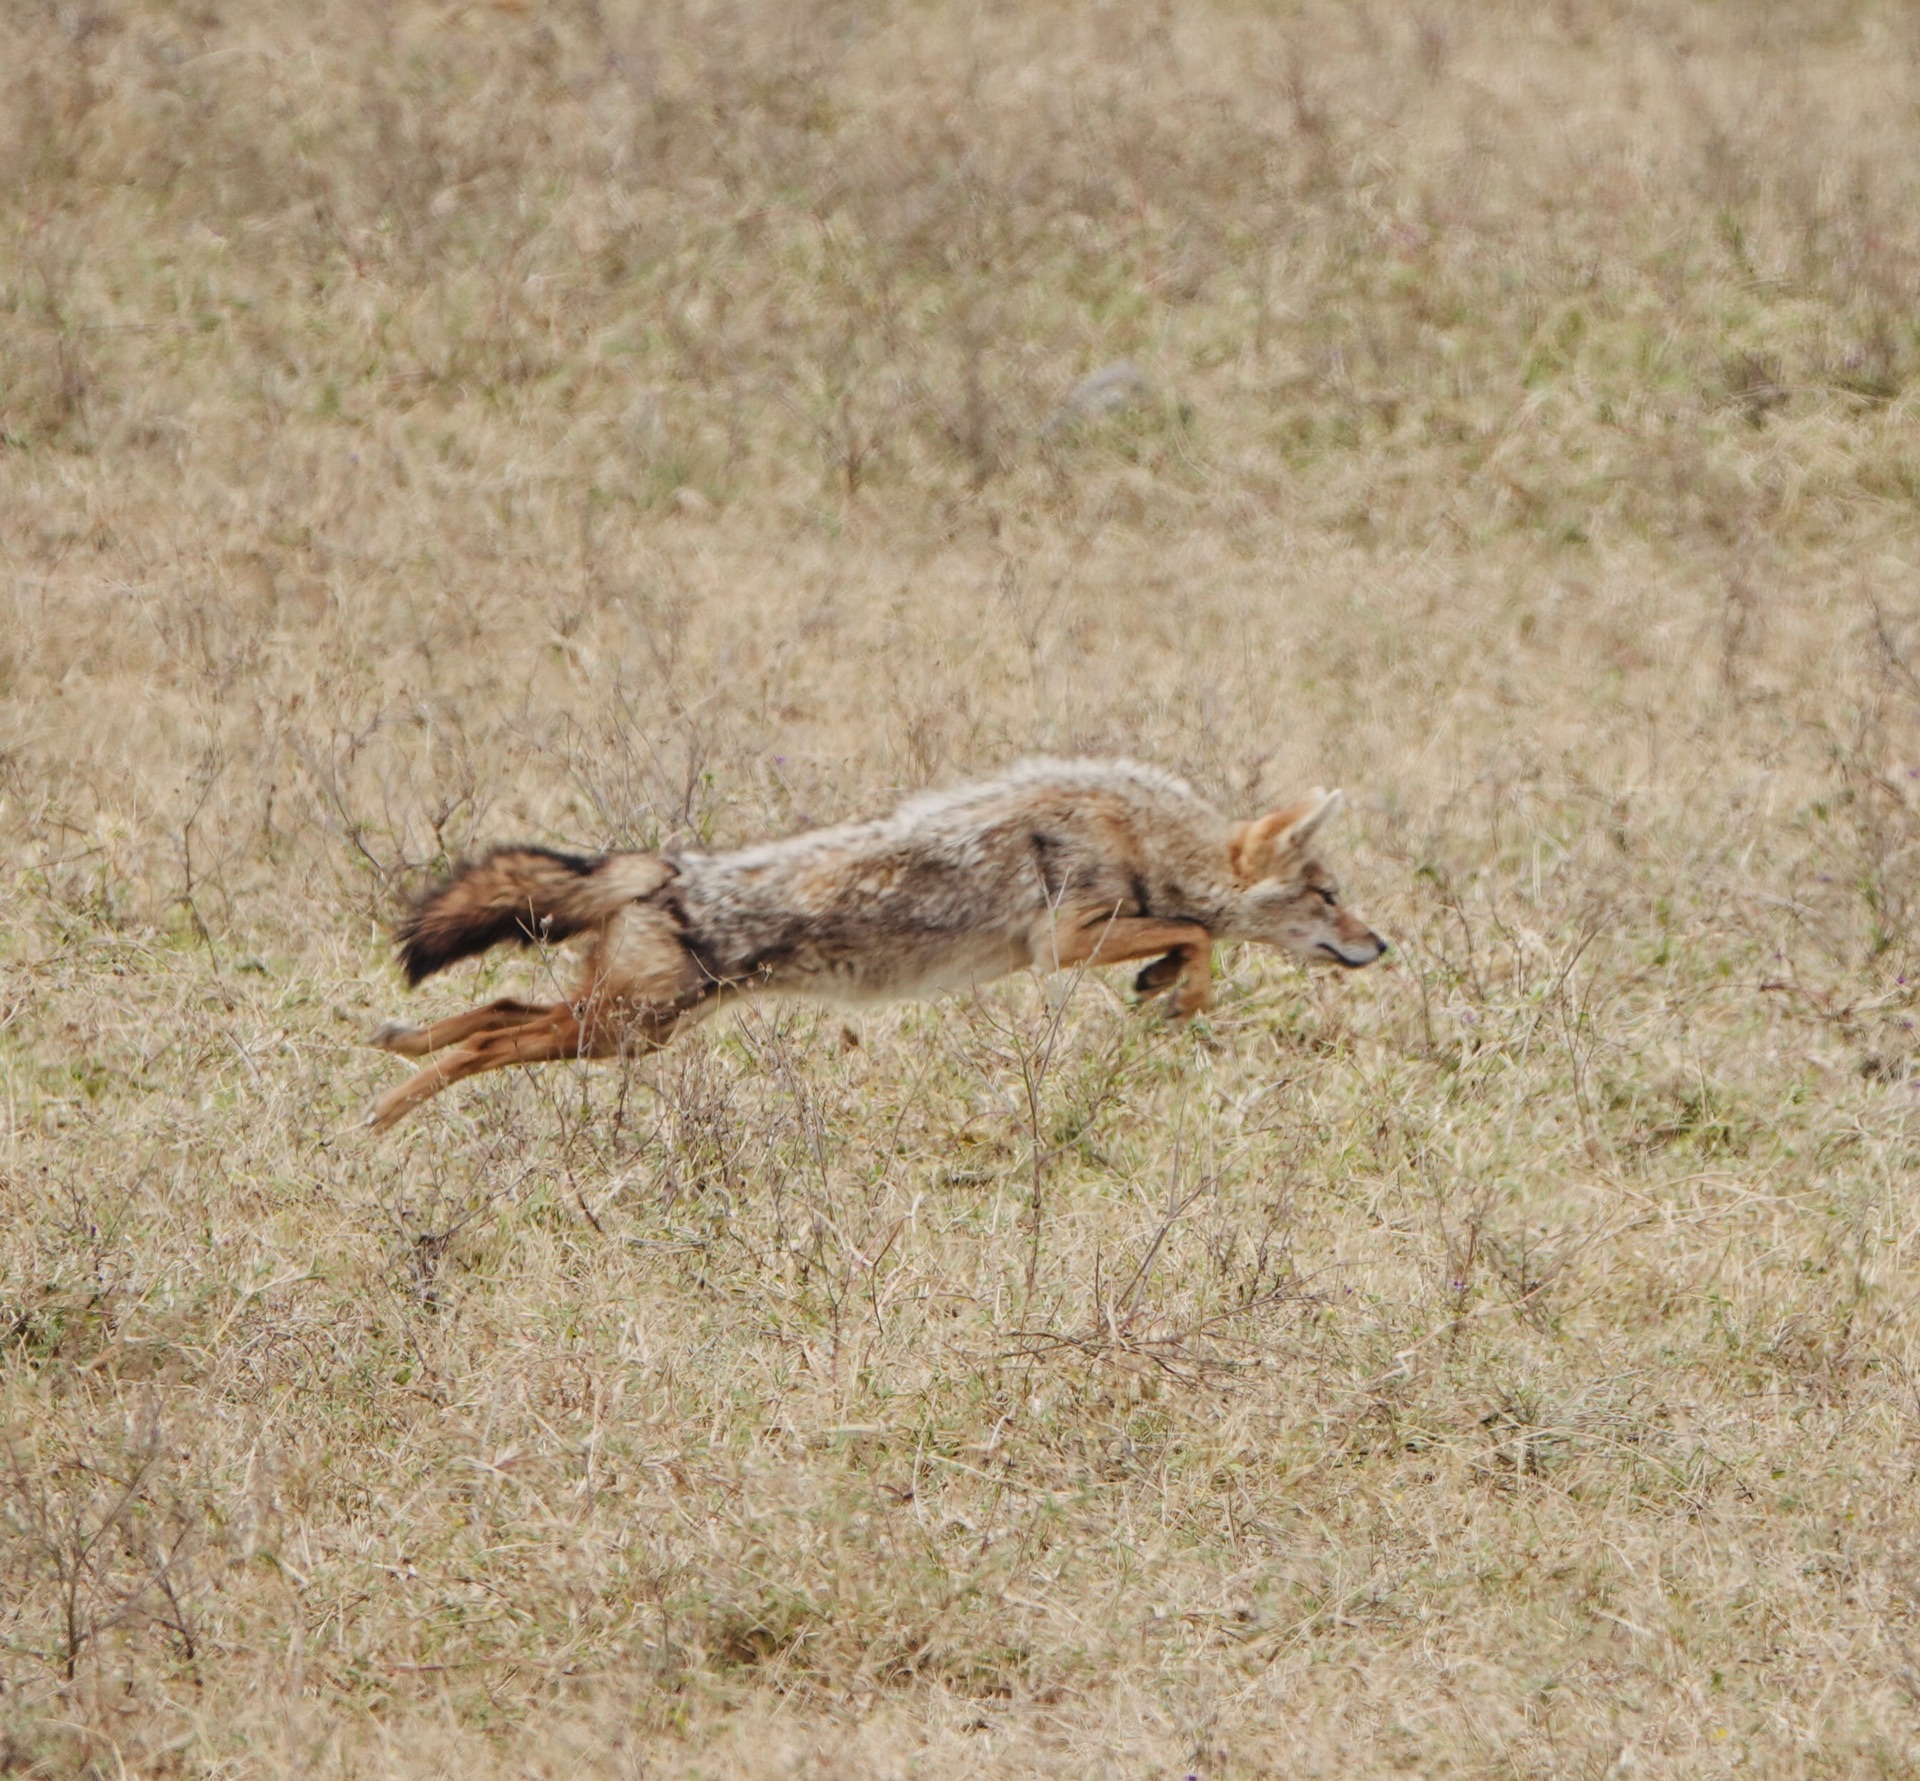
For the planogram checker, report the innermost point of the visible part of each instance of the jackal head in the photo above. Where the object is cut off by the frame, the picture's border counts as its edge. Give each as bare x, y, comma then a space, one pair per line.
1287, 898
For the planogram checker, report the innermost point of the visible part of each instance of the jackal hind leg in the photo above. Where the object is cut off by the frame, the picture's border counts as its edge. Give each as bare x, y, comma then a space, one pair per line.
411, 1041
564, 1032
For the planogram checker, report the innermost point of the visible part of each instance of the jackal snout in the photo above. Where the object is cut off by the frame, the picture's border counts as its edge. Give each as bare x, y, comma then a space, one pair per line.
1353, 943
1306, 920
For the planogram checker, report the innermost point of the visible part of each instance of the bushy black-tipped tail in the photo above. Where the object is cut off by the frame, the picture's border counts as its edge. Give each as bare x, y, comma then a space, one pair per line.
521, 894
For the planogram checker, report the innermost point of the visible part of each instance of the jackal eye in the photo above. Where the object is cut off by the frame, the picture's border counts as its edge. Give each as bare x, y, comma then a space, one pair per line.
1326, 896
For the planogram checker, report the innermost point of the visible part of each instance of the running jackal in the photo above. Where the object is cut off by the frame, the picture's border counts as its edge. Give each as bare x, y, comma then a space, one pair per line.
1058, 864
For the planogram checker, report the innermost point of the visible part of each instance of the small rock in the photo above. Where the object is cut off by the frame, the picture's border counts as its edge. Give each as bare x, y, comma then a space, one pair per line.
1106, 391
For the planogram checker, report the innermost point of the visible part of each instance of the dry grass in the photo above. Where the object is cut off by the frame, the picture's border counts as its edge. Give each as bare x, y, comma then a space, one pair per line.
433, 424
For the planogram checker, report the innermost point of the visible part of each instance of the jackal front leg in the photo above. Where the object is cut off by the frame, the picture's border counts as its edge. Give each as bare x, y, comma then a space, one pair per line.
1181, 951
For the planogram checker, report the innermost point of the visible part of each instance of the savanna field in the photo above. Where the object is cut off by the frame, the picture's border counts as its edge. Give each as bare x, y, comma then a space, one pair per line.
429, 425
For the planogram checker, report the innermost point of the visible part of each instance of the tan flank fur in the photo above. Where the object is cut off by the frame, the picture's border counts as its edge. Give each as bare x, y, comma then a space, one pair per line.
1054, 865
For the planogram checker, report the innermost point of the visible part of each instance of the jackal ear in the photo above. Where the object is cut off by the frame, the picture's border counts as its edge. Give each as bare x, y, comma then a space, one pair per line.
1256, 847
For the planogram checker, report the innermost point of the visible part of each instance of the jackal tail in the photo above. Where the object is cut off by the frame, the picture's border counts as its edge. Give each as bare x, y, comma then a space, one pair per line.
522, 894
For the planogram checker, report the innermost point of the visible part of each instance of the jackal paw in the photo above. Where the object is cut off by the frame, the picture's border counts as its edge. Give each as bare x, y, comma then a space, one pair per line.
1158, 974
392, 1035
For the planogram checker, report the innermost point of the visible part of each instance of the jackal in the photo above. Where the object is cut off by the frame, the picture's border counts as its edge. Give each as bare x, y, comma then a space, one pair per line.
1054, 865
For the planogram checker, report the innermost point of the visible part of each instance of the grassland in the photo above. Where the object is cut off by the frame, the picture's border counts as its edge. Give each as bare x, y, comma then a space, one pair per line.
423, 425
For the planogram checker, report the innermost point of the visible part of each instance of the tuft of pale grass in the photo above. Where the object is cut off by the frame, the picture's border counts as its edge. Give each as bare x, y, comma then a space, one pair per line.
628, 425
